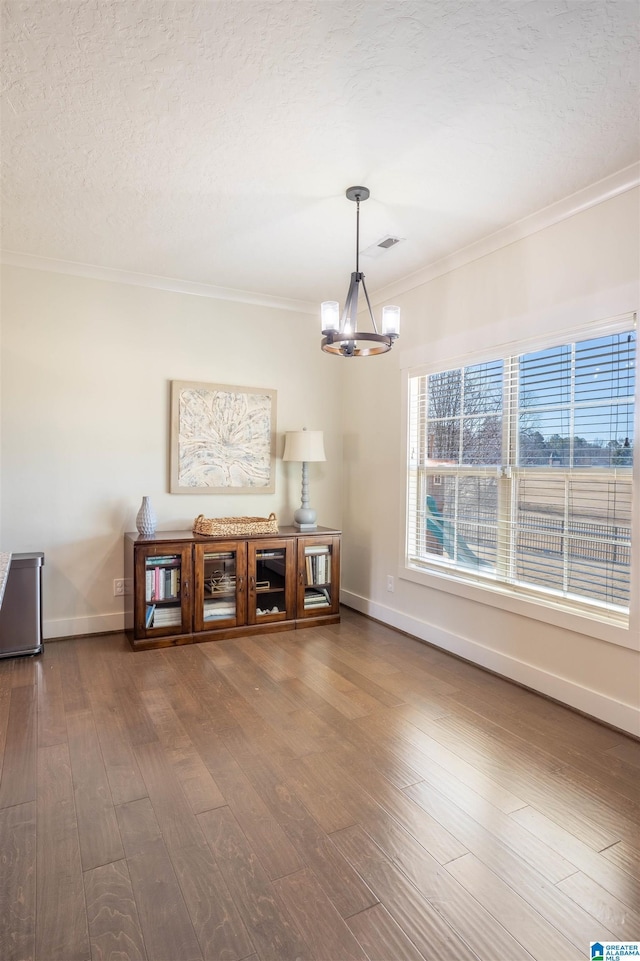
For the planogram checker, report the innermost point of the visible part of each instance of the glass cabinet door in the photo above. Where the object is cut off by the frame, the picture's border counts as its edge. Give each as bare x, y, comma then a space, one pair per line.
165, 605
318, 576
220, 585
271, 570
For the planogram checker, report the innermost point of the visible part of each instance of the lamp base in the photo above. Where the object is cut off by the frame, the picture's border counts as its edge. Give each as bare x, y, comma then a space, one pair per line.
305, 519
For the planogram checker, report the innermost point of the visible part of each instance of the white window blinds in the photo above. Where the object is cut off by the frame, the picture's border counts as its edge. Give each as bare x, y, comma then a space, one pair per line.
519, 471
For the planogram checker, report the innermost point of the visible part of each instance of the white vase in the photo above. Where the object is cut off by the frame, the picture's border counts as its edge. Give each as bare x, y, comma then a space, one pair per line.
146, 519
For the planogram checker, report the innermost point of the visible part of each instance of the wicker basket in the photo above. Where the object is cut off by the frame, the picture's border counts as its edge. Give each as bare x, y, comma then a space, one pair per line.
232, 526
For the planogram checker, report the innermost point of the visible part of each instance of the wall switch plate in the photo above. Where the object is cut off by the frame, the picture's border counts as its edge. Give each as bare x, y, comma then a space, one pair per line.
391, 584
121, 586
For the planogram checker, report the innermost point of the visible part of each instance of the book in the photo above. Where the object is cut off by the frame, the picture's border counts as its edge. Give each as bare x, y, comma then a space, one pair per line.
218, 609
318, 564
317, 598
312, 605
166, 617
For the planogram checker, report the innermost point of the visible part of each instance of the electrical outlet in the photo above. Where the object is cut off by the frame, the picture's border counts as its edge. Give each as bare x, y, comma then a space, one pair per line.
119, 586
391, 584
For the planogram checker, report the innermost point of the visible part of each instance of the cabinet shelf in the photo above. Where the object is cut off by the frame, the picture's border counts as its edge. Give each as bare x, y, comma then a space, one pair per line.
274, 582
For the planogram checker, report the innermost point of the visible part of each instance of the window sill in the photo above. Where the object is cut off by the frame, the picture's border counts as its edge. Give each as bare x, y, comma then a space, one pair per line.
610, 627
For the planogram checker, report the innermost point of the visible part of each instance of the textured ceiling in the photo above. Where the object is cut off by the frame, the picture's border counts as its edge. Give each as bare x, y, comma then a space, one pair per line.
213, 141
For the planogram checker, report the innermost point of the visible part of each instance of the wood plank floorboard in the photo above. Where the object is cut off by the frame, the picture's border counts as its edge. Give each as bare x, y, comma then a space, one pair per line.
529, 928
625, 856
270, 926
382, 937
341, 883
317, 919
120, 764
210, 693
61, 912
506, 831
216, 920
594, 764
512, 870
341, 793
95, 813
18, 885
52, 722
534, 778
5, 705
178, 824
626, 750
75, 692
426, 755
414, 913
613, 914
358, 748
200, 789
18, 784
114, 925
594, 864
277, 855
165, 923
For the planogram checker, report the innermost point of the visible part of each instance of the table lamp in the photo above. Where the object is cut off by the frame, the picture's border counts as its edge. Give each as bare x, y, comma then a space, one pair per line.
304, 445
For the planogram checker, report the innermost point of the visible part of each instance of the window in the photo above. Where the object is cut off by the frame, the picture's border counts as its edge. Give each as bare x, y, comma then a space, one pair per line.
519, 472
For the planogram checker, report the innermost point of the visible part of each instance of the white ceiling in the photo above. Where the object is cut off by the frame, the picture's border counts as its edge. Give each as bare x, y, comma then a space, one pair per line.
213, 141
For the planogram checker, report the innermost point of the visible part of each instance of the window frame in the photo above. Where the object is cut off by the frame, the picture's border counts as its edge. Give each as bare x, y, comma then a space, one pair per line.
605, 624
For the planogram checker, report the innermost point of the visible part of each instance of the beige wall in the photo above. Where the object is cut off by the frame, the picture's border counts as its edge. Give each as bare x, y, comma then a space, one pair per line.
582, 269
86, 366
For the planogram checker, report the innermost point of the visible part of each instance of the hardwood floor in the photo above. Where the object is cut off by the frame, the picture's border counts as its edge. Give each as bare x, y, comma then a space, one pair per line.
337, 794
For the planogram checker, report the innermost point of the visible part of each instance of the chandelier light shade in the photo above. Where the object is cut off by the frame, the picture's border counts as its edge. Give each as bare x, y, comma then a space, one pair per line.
339, 331
304, 446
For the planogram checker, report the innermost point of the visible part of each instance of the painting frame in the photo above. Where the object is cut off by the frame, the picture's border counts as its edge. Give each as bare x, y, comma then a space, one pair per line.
223, 439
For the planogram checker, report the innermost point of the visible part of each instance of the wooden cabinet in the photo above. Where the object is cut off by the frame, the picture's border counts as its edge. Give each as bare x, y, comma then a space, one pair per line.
189, 588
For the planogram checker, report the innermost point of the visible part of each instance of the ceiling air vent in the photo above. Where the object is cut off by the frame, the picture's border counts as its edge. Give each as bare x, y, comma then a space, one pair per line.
386, 243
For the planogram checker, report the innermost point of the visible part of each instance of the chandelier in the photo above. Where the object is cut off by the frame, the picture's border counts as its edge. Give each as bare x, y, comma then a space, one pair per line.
339, 333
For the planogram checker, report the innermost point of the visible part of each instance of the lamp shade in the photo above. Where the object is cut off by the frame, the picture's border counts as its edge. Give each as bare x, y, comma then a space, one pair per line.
391, 321
304, 445
330, 313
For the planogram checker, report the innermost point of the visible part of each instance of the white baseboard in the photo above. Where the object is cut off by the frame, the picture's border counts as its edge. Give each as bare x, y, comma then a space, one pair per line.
75, 626
599, 706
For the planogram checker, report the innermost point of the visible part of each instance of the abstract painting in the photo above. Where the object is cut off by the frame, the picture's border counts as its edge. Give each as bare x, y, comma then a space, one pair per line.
222, 439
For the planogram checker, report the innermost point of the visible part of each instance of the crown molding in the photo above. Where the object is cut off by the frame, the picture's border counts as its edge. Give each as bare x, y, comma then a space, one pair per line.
591, 196
555, 213
15, 259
